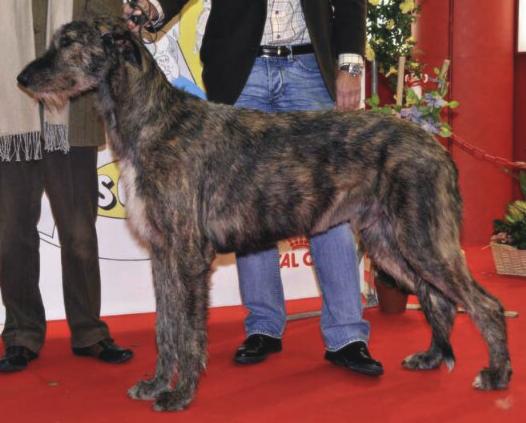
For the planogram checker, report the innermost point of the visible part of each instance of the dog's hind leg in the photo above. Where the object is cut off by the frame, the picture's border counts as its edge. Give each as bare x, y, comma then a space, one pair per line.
446, 267
379, 242
488, 314
440, 313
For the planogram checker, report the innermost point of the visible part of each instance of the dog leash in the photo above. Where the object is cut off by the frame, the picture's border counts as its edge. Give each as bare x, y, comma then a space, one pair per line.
417, 307
141, 19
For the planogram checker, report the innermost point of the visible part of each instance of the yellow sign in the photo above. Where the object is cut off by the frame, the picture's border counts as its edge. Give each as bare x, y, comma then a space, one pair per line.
111, 194
188, 37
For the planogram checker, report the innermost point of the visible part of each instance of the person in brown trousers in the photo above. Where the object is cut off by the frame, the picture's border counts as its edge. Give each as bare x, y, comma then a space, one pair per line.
39, 151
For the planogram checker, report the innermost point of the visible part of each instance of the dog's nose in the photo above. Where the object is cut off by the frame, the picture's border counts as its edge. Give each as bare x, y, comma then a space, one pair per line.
23, 79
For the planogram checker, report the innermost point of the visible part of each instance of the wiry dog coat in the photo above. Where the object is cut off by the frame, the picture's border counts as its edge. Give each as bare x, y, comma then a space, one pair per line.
204, 177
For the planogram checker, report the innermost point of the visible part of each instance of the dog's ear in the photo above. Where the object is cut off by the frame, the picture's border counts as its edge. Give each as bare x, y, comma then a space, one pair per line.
128, 47
125, 45
116, 38
108, 41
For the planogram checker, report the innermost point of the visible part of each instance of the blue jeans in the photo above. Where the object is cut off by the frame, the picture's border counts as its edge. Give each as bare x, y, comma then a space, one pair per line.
280, 85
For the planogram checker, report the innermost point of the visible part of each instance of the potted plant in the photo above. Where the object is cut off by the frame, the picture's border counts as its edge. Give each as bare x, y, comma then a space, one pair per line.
391, 298
508, 243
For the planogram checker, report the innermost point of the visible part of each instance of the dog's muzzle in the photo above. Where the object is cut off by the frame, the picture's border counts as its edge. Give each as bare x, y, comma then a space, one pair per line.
23, 78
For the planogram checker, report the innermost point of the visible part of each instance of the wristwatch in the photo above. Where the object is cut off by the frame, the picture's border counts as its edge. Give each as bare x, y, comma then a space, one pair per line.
354, 69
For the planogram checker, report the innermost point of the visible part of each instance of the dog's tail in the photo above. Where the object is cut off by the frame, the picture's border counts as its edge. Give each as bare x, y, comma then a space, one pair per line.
427, 227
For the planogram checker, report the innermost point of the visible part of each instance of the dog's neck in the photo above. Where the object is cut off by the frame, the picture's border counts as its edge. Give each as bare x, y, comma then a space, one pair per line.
133, 97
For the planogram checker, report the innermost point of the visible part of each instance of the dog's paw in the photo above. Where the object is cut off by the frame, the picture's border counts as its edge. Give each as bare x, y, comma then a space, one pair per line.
172, 401
146, 390
493, 379
425, 361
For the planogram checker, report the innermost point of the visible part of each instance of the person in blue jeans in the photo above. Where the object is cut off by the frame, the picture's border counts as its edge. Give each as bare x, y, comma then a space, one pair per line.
282, 56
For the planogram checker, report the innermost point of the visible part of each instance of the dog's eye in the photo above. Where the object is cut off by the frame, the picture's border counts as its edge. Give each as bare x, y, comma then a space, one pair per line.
65, 41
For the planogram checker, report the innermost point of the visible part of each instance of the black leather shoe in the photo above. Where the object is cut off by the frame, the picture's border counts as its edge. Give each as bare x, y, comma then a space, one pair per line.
355, 356
16, 359
105, 350
256, 348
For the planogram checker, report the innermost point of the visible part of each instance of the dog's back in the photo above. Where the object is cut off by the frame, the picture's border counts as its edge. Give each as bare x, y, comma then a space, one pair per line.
300, 173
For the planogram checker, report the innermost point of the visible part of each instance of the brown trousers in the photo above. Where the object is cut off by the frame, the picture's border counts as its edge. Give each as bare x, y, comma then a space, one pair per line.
70, 181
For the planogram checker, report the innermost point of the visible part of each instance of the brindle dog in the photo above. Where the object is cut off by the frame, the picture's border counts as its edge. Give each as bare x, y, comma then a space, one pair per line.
203, 178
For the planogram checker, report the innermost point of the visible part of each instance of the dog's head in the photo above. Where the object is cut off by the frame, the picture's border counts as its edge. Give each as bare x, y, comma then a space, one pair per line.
79, 58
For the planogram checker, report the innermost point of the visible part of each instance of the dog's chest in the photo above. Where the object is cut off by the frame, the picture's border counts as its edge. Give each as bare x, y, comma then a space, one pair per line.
135, 205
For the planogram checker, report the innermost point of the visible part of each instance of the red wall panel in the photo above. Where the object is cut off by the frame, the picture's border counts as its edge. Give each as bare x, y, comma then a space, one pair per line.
520, 109
478, 36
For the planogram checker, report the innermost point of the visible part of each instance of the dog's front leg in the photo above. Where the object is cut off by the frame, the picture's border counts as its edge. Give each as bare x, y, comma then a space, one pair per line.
187, 337
162, 275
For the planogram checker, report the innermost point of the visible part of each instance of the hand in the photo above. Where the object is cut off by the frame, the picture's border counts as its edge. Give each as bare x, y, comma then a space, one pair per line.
348, 91
128, 12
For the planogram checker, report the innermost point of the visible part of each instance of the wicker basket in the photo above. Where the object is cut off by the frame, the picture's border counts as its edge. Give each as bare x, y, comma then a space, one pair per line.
509, 260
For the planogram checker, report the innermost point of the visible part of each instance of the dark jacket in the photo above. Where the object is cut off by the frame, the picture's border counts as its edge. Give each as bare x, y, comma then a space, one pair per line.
85, 126
235, 28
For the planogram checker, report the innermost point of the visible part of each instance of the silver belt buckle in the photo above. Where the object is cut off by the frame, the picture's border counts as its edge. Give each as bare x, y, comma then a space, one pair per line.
263, 54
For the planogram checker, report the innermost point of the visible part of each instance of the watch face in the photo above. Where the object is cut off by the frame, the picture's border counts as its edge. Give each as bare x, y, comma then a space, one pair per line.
355, 69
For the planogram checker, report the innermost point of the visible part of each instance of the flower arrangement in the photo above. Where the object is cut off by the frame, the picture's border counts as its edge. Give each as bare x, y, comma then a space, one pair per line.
389, 34
425, 107
389, 38
511, 230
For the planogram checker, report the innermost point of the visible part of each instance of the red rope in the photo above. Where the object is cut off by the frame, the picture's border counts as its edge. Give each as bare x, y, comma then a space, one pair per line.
482, 155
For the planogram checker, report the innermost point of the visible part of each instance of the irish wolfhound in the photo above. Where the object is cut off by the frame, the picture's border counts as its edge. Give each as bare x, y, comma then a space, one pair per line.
203, 178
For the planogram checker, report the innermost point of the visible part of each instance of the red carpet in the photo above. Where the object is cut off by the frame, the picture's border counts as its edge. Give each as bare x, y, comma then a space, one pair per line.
294, 386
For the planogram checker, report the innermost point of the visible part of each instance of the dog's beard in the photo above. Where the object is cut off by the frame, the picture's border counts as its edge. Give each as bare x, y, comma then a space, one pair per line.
57, 100
52, 101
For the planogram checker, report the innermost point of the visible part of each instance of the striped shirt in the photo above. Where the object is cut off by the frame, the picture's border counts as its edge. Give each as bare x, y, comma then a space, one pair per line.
285, 24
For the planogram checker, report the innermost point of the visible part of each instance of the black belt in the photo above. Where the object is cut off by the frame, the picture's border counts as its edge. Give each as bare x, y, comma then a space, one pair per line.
285, 51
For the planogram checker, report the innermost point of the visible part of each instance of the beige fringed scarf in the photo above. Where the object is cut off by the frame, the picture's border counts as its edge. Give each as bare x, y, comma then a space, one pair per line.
20, 126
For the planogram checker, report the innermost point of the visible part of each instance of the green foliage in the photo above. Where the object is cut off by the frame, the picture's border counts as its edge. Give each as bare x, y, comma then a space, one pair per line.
389, 38
389, 34
511, 229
